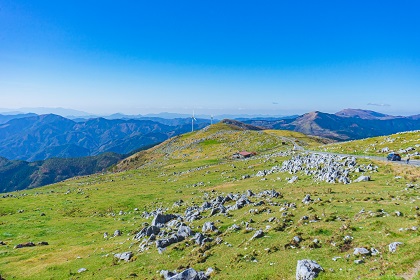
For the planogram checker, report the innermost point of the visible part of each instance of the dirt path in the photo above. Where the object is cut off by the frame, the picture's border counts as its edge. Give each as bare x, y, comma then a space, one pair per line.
413, 272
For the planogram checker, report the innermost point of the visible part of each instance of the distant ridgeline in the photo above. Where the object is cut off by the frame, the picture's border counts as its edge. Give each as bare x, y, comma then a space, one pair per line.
345, 125
48, 136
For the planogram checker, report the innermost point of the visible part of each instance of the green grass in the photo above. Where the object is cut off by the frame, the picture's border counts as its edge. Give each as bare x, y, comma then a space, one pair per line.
373, 146
74, 223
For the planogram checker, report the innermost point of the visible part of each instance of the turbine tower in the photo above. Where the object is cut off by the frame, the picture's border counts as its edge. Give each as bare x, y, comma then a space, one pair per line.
192, 122
211, 119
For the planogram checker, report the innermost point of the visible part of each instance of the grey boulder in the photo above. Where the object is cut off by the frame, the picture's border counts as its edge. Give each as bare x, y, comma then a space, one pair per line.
126, 256
307, 270
362, 179
189, 274
393, 246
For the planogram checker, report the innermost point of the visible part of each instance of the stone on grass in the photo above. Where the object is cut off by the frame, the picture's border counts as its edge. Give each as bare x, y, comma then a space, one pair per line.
22, 245
374, 252
184, 231
393, 246
161, 219
200, 239
307, 270
362, 179
297, 239
147, 231
307, 199
81, 270
235, 227
258, 234
208, 226
293, 179
361, 251
167, 274
189, 274
126, 256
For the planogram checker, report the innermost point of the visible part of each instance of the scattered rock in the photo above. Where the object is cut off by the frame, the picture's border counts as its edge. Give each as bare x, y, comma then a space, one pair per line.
362, 179
184, 231
22, 245
189, 274
258, 234
307, 199
361, 251
374, 252
293, 179
358, 261
147, 231
208, 226
235, 227
347, 239
167, 274
126, 256
393, 246
117, 233
161, 219
297, 239
307, 270
81, 270
200, 239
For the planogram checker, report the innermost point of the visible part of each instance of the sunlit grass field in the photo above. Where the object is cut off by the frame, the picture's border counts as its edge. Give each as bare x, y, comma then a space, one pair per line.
73, 215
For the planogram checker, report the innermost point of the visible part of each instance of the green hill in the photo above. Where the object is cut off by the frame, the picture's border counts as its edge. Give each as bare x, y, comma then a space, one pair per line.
405, 143
185, 178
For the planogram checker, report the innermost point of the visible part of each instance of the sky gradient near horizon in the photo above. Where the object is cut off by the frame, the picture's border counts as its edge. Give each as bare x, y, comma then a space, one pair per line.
214, 57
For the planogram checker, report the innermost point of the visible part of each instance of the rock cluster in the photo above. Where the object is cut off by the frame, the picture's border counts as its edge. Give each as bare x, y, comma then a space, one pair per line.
168, 229
188, 274
321, 167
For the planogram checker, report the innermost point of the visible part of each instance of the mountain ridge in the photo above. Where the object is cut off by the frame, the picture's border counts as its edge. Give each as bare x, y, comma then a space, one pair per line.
349, 124
46, 136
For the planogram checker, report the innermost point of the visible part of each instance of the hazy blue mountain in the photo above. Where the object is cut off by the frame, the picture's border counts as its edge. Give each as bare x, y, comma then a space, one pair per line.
347, 125
46, 136
365, 114
6, 118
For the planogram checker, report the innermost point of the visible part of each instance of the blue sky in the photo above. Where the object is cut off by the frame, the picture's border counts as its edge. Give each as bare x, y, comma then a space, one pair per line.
266, 57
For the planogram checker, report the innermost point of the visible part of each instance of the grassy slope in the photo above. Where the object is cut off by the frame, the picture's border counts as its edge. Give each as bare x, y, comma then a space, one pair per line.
79, 211
373, 146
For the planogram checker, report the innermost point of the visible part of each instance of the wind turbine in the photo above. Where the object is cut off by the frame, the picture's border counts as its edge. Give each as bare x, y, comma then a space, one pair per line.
211, 119
192, 122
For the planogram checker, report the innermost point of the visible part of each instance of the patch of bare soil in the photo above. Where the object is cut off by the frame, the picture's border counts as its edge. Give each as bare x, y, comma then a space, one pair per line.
413, 272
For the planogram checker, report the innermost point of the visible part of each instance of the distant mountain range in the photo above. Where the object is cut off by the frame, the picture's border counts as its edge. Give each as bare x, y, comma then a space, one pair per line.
82, 116
347, 124
46, 136
36, 150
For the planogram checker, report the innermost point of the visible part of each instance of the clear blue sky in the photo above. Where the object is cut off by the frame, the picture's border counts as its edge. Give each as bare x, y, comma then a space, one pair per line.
270, 57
